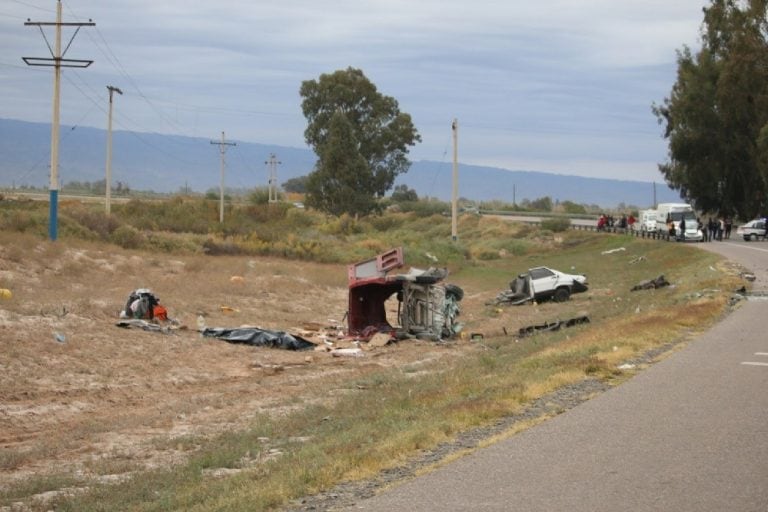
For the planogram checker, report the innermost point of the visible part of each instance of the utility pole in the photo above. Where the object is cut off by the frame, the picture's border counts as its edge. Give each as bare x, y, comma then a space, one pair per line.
57, 61
455, 194
109, 147
273, 162
222, 150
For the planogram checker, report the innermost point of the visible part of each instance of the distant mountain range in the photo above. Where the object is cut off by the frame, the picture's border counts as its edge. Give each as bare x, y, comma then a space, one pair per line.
169, 163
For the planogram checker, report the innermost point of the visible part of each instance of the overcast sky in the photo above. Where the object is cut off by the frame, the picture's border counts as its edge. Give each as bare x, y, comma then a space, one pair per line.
562, 86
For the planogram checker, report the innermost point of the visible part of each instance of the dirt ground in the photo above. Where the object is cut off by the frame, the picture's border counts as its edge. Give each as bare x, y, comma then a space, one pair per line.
78, 393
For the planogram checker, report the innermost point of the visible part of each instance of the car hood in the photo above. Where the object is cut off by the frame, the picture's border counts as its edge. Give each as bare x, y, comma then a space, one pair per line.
579, 278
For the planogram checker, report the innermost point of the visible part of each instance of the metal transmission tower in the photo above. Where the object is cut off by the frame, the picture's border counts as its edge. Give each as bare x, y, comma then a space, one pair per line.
109, 147
273, 162
222, 150
57, 61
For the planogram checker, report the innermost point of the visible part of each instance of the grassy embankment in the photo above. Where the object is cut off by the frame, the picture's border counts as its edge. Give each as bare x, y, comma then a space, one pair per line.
385, 419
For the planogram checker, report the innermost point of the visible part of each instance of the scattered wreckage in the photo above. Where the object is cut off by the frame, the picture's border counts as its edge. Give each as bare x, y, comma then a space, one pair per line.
554, 325
541, 283
427, 308
651, 284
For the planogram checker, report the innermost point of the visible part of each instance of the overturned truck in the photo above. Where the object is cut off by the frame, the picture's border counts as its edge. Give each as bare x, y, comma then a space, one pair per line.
427, 308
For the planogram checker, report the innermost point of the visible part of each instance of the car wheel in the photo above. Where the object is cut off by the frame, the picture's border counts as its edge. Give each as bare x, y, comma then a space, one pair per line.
456, 291
562, 294
753, 237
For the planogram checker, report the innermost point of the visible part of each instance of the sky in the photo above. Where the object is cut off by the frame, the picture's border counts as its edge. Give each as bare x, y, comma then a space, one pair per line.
550, 85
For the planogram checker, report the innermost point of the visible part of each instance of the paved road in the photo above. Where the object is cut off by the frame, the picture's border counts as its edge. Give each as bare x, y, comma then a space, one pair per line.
688, 434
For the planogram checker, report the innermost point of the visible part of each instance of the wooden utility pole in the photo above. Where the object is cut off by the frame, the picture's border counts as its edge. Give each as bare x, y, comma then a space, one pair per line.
109, 147
57, 61
455, 194
222, 150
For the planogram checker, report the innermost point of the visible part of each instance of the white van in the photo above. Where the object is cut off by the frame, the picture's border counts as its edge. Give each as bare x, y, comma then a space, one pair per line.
677, 212
646, 221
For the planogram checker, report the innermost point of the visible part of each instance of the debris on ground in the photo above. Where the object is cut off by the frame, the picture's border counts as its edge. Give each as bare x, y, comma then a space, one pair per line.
651, 284
555, 325
146, 325
637, 260
541, 283
142, 304
611, 251
749, 276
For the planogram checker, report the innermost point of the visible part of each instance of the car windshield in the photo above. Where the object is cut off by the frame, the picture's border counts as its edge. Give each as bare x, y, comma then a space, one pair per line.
677, 216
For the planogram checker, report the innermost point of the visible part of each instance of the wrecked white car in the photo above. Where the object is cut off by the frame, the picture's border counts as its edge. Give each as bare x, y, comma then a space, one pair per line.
542, 283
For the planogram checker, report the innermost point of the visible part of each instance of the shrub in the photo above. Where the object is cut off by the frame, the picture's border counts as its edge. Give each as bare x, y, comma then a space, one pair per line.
127, 237
556, 224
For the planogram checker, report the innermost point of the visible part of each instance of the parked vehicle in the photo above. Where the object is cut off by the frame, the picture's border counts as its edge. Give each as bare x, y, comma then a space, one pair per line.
542, 283
646, 221
673, 213
752, 230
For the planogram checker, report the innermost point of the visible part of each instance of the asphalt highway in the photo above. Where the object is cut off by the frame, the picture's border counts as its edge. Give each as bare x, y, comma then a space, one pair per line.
690, 433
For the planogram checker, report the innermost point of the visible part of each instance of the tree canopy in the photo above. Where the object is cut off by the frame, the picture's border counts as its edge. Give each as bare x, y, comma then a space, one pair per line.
360, 137
716, 117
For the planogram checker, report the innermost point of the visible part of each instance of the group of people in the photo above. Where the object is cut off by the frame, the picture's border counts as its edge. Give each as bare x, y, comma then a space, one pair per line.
716, 229
608, 222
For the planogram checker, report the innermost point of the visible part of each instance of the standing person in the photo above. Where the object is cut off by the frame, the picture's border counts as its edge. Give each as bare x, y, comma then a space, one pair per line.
712, 229
682, 229
704, 230
631, 221
720, 230
728, 226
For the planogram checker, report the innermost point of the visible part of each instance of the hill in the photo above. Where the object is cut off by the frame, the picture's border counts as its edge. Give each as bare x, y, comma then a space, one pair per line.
168, 163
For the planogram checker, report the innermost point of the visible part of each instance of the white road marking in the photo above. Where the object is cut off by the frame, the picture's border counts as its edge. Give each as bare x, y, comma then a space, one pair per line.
744, 246
761, 353
751, 363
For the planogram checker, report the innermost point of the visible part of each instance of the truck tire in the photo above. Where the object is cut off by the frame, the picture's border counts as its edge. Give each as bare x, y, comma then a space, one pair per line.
562, 294
456, 291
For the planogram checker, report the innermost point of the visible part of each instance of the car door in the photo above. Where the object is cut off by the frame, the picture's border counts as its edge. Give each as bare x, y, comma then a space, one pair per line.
543, 281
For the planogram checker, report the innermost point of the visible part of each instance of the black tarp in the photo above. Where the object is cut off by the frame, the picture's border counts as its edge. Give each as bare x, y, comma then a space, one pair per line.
259, 337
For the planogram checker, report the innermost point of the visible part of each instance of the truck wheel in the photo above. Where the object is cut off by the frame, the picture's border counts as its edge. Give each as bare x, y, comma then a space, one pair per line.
456, 291
562, 294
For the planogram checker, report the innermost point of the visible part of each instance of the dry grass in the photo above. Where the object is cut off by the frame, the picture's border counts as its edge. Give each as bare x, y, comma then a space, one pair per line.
212, 429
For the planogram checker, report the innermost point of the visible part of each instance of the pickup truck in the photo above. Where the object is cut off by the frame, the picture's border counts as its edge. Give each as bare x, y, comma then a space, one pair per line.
542, 283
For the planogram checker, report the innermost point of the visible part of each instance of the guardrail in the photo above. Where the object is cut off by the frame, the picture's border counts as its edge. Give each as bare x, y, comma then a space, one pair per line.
653, 235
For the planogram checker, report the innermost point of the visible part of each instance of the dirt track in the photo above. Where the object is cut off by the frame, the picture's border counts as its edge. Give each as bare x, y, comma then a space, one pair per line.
80, 395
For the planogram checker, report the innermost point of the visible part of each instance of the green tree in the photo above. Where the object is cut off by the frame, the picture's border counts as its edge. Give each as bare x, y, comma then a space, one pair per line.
716, 117
542, 204
571, 207
297, 185
341, 182
366, 163
404, 193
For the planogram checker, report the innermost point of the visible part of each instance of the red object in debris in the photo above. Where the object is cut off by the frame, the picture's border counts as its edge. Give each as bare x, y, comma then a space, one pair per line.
369, 289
